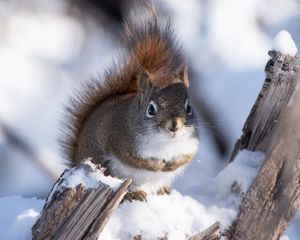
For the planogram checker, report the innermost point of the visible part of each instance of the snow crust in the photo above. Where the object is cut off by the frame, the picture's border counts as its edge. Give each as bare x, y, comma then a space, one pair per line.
77, 176
284, 43
89, 176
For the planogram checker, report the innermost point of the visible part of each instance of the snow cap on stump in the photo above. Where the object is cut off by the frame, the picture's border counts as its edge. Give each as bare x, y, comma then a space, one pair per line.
284, 43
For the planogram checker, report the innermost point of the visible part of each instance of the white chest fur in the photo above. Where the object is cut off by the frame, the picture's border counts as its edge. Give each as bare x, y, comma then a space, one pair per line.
158, 146
161, 146
145, 180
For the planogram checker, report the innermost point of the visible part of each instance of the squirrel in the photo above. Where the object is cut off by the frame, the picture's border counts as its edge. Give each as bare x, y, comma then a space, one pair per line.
138, 122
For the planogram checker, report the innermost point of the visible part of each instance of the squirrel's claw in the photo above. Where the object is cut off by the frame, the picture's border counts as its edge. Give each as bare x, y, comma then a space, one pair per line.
164, 190
139, 195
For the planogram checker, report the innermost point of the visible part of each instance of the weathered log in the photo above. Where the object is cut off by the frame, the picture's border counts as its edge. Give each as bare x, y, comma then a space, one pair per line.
272, 127
79, 212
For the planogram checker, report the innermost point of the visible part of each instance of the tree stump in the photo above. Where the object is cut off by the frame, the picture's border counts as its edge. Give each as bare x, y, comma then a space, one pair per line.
272, 127
81, 211
281, 77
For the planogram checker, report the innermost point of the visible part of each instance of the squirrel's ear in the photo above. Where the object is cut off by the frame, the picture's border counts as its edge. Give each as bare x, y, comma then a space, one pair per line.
138, 81
144, 83
183, 75
144, 79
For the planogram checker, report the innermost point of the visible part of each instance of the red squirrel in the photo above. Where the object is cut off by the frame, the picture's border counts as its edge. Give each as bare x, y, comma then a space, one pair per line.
138, 122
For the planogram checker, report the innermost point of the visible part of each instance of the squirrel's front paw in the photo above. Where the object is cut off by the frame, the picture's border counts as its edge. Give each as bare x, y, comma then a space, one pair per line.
164, 190
139, 195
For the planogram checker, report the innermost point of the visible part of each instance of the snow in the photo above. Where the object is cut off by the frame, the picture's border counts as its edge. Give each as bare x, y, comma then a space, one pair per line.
18, 216
275, 13
293, 230
284, 43
243, 22
40, 35
180, 215
175, 215
1, 136
77, 176
239, 173
39, 70
87, 175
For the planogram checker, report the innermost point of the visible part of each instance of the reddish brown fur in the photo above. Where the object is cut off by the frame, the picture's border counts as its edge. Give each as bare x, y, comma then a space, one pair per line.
149, 45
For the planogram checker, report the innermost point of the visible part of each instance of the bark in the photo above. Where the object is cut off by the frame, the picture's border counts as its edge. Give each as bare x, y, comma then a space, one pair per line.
77, 213
272, 127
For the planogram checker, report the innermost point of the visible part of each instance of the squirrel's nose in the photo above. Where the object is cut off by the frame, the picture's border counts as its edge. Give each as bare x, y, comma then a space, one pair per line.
172, 126
175, 124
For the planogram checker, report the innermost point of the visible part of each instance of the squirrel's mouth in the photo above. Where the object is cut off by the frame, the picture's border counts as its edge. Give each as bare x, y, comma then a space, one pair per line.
173, 134
174, 127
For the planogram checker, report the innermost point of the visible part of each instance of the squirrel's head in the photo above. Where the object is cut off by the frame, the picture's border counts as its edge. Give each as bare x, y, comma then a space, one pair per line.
164, 105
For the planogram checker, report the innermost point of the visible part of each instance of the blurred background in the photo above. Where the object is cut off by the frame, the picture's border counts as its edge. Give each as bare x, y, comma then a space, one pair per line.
47, 48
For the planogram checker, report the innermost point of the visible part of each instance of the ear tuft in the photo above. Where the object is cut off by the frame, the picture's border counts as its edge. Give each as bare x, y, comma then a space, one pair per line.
144, 84
144, 79
183, 75
139, 81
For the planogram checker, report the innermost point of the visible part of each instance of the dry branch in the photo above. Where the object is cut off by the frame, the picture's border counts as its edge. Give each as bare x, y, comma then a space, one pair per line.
272, 127
212, 233
80, 212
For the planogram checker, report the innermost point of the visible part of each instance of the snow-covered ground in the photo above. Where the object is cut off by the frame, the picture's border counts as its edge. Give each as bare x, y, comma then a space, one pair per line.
179, 215
176, 215
46, 50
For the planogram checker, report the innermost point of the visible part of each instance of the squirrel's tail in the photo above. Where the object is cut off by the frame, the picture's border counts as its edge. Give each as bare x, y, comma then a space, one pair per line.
151, 42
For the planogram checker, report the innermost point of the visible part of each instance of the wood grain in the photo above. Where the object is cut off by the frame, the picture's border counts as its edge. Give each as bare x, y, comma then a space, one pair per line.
77, 213
272, 127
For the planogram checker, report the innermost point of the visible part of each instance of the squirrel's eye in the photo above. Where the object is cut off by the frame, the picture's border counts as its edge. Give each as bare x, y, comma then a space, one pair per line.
188, 108
151, 109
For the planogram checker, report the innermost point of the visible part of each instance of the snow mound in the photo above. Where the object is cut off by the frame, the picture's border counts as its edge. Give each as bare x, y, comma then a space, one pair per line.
284, 43
239, 174
174, 216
